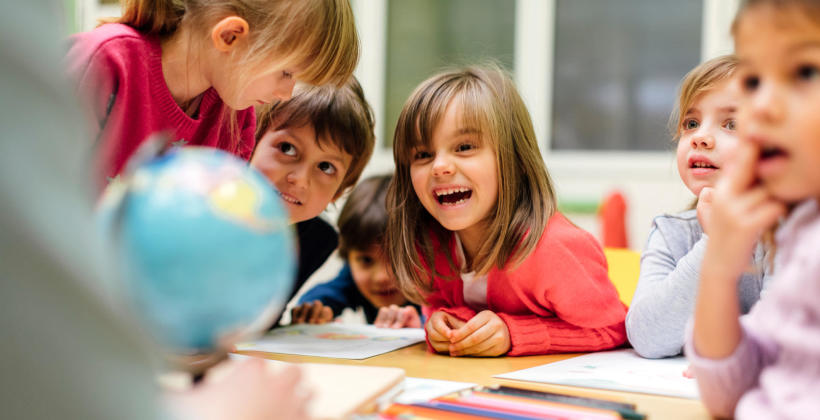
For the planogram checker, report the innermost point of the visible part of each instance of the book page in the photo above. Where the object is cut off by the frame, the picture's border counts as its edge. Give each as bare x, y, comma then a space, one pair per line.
343, 341
621, 370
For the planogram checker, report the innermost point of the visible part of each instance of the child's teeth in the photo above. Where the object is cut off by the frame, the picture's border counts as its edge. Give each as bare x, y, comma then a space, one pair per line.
451, 191
288, 199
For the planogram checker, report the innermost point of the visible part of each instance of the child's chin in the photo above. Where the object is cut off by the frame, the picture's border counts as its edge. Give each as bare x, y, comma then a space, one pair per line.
784, 192
697, 187
296, 218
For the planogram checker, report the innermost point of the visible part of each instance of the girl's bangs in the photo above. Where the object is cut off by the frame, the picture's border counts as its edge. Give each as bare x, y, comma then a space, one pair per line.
415, 130
430, 109
476, 112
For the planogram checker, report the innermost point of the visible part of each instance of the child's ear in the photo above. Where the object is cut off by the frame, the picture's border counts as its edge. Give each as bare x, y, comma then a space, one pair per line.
228, 31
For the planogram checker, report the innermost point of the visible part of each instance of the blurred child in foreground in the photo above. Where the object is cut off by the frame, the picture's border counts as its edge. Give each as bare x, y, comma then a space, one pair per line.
69, 351
767, 364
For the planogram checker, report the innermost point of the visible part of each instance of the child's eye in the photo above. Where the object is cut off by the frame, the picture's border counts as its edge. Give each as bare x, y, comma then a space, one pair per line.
807, 72
730, 125
750, 83
287, 148
286, 74
421, 154
365, 260
690, 124
463, 147
327, 168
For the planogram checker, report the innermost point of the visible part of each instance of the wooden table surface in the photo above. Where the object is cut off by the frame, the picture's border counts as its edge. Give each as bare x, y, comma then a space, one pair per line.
417, 362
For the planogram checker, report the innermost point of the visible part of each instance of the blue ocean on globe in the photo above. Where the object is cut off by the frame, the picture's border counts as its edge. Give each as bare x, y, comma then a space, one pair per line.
206, 246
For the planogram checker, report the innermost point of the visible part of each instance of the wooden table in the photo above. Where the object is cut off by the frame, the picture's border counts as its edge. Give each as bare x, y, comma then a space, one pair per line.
417, 362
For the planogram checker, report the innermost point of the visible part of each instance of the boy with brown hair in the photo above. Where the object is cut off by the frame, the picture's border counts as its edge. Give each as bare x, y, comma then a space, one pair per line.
313, 148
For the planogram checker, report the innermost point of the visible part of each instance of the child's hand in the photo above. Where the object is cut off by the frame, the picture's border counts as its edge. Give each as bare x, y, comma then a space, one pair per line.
394, 316
439, 328
741, 211
248, 391
311, 313
485, 334
704, 208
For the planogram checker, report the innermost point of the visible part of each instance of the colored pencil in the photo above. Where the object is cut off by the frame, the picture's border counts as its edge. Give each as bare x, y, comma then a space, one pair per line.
482, 412
532, 407
409, 412
626, 411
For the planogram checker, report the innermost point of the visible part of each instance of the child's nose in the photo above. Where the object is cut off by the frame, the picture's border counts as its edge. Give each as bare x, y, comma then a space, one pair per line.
442, 165
382, 274
703, 141
284, 89
767, 103
298, 176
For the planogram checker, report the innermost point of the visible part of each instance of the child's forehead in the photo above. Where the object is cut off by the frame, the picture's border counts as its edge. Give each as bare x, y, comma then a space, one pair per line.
459, 117
374, 249
786, 23
331, 149
321, 144
721, 94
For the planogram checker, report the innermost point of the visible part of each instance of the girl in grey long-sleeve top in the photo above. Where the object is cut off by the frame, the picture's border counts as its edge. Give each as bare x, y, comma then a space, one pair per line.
670, 264
668, 284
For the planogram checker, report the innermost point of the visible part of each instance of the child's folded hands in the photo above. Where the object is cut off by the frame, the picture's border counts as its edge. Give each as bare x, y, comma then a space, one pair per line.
484, 335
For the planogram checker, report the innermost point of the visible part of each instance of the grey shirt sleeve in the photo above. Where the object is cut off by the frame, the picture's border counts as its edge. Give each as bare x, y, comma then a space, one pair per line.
665, 297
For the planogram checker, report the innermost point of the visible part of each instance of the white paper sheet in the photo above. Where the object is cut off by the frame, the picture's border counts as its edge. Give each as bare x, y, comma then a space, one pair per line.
621, 370
419, 390
341, 341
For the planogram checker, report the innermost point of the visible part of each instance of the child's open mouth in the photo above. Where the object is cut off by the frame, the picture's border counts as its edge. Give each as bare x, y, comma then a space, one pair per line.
453, 196
771, 152
387, 292
772, 161
702, 165
288, 198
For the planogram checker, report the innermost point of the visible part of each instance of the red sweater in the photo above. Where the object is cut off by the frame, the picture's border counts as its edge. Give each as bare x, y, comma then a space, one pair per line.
118, 72
558, 300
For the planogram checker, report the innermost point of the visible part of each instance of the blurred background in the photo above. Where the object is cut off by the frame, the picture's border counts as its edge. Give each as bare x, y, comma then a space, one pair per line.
599, 77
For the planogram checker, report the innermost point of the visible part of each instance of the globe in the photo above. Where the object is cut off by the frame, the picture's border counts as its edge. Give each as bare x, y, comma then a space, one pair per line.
207, 251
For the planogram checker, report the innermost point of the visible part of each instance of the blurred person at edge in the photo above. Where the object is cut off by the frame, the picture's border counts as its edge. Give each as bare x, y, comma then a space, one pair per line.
68, 352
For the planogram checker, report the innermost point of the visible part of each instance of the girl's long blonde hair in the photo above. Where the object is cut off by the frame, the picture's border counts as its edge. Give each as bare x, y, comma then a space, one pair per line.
488, 100
319, 35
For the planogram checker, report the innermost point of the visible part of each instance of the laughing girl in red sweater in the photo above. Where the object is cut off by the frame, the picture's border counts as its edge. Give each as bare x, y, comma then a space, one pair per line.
474, 233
